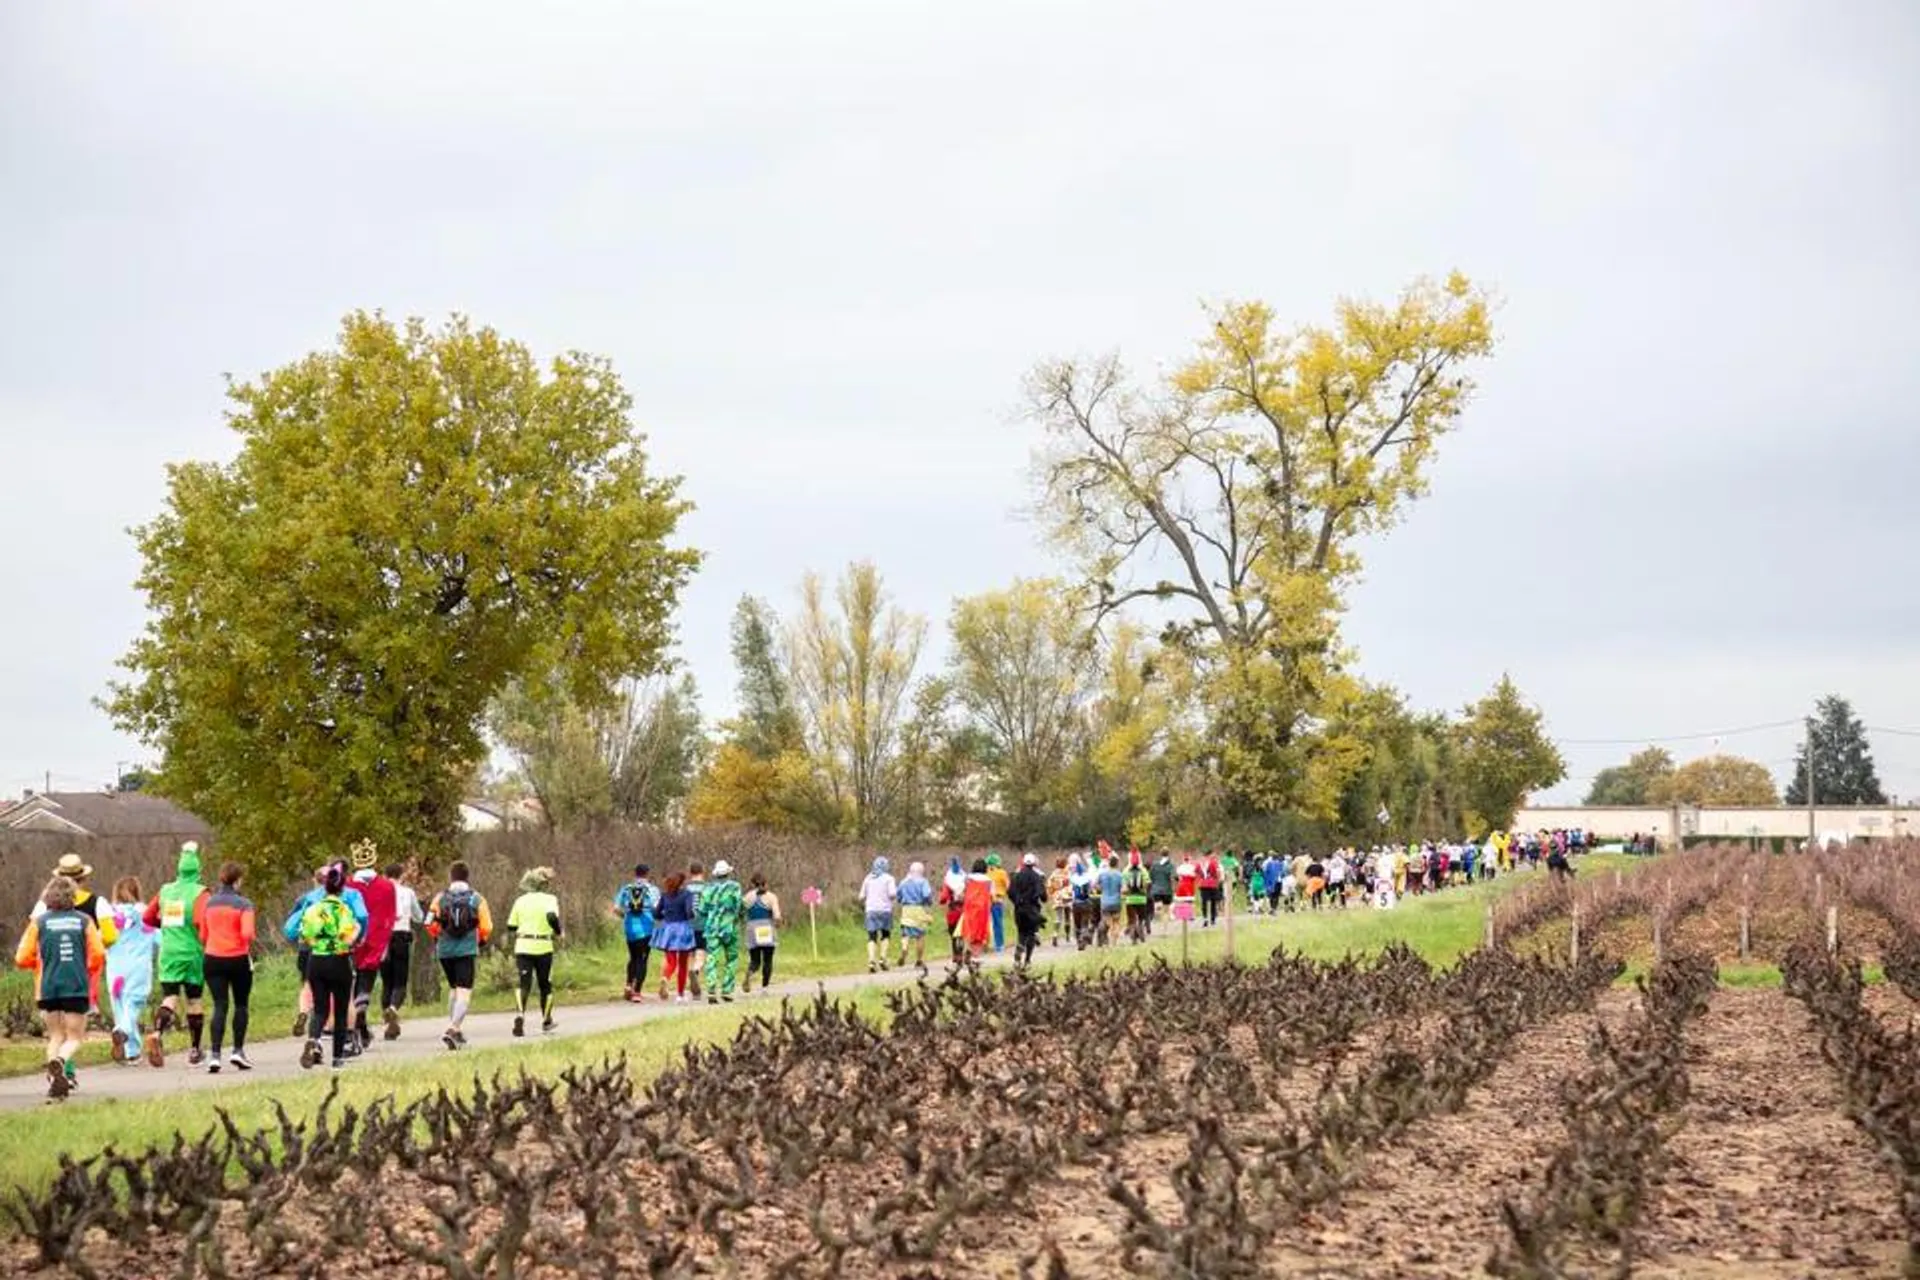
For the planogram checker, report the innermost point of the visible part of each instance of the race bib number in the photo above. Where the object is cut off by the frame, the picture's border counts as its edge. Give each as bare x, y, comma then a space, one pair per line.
173, 914
762, 935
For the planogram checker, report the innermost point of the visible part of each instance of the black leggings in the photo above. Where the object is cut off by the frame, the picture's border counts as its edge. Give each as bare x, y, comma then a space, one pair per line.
1210, 904
760, 961
639, 952
1027, 924
229, 977
538, 968
331, 978
395, 970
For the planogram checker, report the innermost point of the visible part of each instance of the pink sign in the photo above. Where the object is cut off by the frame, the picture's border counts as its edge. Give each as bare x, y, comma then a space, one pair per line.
811, 896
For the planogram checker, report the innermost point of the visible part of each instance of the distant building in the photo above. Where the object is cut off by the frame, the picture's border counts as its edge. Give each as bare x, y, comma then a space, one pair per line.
494, 815
102, 814
1666, 823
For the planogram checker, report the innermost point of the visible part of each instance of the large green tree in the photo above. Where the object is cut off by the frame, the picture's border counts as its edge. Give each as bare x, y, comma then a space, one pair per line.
1504, 755
1632, 783
415, 518
1233, 497
1843, 770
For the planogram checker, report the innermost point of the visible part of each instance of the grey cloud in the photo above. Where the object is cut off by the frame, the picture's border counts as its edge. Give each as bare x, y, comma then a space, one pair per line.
823, 242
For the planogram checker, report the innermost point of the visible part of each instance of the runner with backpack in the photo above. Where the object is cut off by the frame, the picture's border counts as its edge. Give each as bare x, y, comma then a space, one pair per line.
636, 903
459, 924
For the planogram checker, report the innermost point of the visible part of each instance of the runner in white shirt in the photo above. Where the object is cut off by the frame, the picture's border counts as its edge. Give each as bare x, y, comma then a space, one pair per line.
395, 968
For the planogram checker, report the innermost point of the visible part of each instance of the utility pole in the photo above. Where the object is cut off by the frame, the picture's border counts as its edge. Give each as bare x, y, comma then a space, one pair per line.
1813, 826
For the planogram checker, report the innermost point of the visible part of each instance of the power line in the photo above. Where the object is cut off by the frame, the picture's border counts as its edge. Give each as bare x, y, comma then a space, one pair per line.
1682, 737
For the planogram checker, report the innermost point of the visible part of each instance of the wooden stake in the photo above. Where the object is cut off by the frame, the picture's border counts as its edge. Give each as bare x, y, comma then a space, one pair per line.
1659, 949
1573, 949
1184, 925
1226, 891
1833, 930
1746, 932
1489, 941
813, 928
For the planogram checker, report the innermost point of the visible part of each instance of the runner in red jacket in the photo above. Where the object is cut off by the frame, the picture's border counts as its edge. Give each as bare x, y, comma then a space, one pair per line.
370, 950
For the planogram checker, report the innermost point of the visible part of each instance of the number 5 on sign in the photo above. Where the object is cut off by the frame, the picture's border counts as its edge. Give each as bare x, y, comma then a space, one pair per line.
811, 895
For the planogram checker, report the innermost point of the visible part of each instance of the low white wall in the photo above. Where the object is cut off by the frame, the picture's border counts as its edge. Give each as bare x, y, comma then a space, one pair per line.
1878, 821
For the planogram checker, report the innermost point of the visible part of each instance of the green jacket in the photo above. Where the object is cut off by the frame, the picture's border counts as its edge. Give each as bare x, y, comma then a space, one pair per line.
721, 908
178, 907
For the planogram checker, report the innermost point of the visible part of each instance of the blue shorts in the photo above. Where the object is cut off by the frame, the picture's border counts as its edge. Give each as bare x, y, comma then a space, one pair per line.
880, 922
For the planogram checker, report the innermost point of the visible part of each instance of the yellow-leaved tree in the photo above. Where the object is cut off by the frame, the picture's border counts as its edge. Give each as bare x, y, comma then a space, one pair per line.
1231, 495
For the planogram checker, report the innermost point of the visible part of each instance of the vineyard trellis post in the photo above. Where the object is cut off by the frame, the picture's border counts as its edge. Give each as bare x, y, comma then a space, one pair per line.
1746, 932
1228, 896
1573, 945
1833, 930
1489, 941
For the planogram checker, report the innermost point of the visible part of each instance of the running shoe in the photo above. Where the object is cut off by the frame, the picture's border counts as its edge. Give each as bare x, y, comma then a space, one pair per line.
119, 1047
519, 1025
310, 1055
299, 1026
156, 1051
238, 1061
546, 1027
195, 1057
450, 1040
58, 1086
392, 1031
213, 1064
461, 1036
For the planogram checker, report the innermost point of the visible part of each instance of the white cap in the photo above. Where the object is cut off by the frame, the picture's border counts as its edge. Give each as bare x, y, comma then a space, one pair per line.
1029, 861
723, 868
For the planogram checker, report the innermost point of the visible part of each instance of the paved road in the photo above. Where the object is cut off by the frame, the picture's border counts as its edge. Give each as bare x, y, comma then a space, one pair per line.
279, 1058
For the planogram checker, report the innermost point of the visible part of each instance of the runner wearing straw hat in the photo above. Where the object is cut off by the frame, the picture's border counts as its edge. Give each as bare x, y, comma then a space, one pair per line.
88, 903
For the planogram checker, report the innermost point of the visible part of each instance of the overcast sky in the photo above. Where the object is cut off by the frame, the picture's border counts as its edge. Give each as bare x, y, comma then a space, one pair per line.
822, 242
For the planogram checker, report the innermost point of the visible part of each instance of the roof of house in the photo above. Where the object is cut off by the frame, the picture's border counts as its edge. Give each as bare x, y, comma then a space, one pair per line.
103, 813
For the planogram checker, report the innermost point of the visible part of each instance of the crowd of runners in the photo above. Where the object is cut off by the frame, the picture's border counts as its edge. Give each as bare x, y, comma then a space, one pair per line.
354, 931
1099, 898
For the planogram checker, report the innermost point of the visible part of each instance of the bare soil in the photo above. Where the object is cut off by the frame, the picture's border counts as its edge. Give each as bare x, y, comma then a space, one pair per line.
1430, 1206
1769, 1176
